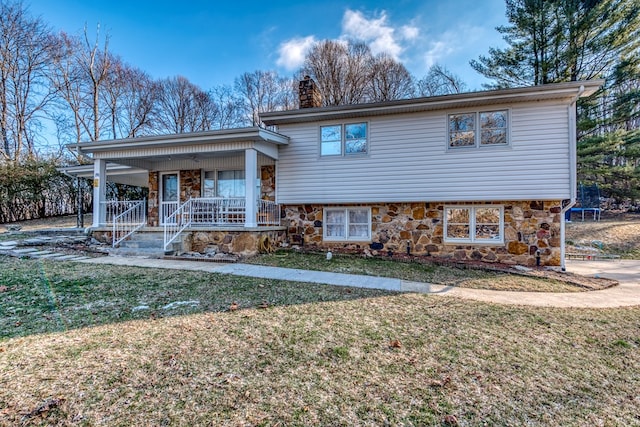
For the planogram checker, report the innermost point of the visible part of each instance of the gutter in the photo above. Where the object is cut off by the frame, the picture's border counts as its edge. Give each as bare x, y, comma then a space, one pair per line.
573, 171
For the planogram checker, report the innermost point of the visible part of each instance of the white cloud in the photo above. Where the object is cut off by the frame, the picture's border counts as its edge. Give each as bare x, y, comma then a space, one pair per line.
377, 33
291, 53
409, 32
438, 50
453, 42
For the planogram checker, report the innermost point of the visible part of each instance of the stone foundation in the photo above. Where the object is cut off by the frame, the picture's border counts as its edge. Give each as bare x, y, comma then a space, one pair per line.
102, 236
238, 242
529, 227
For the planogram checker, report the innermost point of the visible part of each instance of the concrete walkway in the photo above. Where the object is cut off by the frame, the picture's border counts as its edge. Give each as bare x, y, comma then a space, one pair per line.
627, 272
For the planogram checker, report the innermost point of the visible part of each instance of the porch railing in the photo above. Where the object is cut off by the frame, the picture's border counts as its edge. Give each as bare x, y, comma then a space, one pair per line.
216, 211
268, 213
175, 223
113, 208
129, 221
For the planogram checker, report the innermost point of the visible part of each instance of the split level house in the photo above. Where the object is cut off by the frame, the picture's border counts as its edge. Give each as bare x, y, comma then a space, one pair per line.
480, 176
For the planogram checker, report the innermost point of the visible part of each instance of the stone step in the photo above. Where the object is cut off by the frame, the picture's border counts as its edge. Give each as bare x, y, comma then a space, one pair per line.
38, 254
36, 241
69, 257
24, 251
53, 255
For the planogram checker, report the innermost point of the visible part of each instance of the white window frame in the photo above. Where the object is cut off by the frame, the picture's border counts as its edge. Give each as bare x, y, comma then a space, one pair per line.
343, 139
346, 224
472, 225
477, 130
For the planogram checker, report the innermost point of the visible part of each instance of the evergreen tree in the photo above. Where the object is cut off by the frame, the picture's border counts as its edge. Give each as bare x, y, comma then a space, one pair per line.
554, 41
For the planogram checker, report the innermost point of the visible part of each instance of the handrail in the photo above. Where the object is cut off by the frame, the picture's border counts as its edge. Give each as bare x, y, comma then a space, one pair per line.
175, 223
129, 221
114, 208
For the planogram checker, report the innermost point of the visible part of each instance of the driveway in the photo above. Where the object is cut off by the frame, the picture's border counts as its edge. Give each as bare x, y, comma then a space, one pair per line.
627, 293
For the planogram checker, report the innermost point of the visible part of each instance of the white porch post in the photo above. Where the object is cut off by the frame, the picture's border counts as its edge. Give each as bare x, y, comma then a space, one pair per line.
99, 192
251, 189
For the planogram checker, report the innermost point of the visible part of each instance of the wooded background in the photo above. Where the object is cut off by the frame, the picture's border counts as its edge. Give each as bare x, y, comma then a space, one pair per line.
76, 86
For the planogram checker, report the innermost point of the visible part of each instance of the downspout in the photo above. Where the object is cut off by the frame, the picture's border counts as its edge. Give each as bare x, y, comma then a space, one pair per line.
571, 109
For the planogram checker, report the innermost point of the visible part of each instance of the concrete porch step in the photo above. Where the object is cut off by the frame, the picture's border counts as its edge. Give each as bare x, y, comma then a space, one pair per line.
154, 252
145, 243
142, 244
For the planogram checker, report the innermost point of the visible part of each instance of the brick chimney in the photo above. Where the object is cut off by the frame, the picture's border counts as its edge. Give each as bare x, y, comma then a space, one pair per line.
309, 94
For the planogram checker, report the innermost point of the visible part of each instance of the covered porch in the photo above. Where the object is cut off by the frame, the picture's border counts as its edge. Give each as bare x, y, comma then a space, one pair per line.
216, 179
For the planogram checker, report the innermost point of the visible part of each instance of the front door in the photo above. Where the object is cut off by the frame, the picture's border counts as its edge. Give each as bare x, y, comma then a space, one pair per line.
169, 193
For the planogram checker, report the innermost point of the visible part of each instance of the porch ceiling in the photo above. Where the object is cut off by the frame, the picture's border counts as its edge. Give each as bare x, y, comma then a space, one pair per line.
120, 174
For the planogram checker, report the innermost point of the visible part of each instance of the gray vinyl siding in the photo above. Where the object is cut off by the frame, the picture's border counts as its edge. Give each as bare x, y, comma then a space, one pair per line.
408, 160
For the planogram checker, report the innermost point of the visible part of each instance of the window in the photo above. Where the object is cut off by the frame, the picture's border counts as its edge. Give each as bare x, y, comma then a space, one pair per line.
209, 188
224, 184
486, 128
230, 184
347, 224
474, 224
341, 140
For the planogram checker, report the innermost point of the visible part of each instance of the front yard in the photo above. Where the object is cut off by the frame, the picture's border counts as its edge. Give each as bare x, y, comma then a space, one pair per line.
99, 345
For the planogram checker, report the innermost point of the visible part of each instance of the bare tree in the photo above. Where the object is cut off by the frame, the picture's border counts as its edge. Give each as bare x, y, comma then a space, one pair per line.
183, 107
340, 70
388, 80
289, 93
66, 78
80, 73
25, 54
261, 91
440, 81
96, 64
229, 110
129, 95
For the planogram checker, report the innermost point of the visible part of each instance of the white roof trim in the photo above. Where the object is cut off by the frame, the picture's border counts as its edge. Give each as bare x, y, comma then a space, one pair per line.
471, 99
242, 135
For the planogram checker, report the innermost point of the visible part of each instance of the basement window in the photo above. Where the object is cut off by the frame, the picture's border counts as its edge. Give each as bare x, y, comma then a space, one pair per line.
347, 224
474, 224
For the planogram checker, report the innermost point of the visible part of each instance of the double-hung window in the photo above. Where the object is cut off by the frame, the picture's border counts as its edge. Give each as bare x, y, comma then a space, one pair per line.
477, 129
347, 224
344, 139
474, 224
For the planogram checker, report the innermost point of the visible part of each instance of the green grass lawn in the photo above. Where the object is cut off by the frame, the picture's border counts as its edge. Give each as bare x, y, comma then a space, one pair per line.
75, 352
47, 296
418, 270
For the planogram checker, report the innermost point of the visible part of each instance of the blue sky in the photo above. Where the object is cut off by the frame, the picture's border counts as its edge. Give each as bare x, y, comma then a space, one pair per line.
213, 42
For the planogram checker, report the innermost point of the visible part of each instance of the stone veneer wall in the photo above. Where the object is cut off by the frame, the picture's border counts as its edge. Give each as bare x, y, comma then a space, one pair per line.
153, 203
268, 183
240, 242
190, 186
528, 227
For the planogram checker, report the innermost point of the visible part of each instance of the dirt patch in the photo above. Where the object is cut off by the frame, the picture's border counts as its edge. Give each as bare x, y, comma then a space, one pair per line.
67, 221
614, 233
